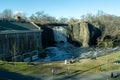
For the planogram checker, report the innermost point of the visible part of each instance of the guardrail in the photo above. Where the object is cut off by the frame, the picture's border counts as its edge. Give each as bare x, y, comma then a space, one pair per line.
27, 57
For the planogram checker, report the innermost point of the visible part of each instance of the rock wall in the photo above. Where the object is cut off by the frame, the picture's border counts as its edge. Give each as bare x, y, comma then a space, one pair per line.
78, 33
47, 37
83, 33
52, 33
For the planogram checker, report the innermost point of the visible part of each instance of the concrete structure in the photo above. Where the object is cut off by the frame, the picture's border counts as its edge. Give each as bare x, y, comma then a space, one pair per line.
19, 37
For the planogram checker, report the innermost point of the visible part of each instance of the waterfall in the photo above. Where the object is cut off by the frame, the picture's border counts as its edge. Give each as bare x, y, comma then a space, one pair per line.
59, 34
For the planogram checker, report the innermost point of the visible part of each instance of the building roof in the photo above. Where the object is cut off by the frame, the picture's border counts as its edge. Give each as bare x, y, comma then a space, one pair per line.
6, 26
18, 31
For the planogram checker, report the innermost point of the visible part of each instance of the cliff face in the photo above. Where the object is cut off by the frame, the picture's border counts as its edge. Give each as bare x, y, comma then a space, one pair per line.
52, 33
47, 36
83, 33
79, 34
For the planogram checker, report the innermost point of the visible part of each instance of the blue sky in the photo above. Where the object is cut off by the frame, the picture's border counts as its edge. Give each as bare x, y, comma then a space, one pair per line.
62, 8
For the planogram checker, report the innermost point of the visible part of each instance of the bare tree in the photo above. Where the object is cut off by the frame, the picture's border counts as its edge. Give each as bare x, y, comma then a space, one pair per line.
1, 16
7, 14
63, 20
13, 52
39, 14
42, 17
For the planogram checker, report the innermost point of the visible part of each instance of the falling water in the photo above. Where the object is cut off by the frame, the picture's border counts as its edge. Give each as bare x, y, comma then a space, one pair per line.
59, 34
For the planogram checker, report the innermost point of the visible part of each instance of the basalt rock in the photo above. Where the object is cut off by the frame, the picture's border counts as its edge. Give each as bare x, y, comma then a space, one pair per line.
83, 33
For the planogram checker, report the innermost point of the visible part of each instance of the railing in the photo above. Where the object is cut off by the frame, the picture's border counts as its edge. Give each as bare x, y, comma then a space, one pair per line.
27, 57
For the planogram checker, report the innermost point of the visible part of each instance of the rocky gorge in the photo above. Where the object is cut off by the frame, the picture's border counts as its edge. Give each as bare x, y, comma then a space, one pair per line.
78, 40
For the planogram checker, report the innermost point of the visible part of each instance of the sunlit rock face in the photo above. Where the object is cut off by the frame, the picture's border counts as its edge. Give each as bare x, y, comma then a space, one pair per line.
83, 33
59, 34
80, 32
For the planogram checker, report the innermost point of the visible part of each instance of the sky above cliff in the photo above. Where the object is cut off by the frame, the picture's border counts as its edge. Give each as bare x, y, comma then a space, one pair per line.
62, 8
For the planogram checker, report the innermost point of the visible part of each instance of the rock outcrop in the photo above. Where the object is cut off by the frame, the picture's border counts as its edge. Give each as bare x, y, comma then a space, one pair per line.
83, 33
